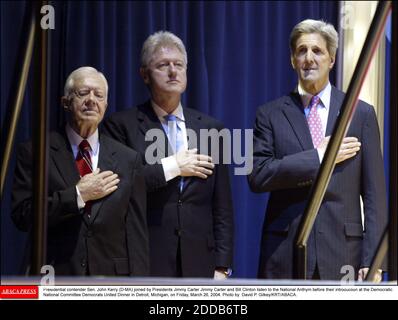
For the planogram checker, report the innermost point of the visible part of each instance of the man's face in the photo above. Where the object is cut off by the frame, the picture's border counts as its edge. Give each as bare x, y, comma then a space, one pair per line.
312, 61
166, 73
88, 101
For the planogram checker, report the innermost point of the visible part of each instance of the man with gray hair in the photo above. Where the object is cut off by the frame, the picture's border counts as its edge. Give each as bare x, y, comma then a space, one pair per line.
96, 195
291, 136
189, 209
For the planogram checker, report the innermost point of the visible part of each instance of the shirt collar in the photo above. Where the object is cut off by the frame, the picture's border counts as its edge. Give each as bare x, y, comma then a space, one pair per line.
75, 139
161, 113
324, 95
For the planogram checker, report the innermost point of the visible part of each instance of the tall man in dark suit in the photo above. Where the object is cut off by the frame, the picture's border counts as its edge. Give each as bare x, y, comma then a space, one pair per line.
189, 208
290, 139
96, 196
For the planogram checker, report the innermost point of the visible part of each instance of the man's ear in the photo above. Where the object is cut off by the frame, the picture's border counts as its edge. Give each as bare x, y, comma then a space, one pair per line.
292, 61
65, 102
332, 61
144, 75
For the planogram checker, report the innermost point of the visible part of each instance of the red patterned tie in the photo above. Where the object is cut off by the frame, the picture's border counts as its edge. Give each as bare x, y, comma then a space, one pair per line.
84, 165
314, 122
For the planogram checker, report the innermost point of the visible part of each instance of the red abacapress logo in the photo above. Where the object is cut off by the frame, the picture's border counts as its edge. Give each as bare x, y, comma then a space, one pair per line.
19, 292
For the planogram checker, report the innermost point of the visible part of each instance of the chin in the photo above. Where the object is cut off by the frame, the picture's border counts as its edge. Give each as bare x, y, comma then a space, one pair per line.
90, 119
309, 80
175, 90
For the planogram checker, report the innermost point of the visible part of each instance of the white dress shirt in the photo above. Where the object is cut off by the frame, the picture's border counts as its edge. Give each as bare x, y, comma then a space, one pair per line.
75, 140
169, 164
322, 108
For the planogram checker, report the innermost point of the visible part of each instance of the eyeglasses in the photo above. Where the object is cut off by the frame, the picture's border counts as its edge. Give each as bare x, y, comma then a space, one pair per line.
85, 92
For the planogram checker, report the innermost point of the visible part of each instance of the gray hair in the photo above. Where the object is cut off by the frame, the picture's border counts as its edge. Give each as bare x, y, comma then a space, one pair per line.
80, 73
161, 39
326, 30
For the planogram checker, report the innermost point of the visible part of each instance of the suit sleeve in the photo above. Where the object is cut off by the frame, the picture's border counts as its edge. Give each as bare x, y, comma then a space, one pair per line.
271, 172
223, 215
60, 202
137, 231
118, 130
373, 189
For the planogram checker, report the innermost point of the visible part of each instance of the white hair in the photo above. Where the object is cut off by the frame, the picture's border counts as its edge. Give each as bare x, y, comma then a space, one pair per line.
80, 73
161, 39
326, 30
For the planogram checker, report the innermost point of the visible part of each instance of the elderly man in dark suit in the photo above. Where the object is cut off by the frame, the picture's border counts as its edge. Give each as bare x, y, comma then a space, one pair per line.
189, 208
96, 195
290, 139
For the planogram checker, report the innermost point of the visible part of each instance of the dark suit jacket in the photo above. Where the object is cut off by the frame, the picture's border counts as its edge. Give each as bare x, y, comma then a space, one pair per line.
286, 164
201, 216
114, 240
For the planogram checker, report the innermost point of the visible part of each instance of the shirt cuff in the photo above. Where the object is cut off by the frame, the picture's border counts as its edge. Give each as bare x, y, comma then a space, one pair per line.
170, 168
80, 203
218, 275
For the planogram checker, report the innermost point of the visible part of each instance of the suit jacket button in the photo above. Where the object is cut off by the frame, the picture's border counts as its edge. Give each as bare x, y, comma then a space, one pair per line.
83, 263
89, 233
177, 232
179, 202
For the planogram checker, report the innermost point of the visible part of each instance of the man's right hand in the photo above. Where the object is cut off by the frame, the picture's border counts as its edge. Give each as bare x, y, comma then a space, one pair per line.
97, 185
193, 164
349, 148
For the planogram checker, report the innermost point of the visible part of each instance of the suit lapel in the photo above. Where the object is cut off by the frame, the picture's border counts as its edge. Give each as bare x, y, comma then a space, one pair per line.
62, 156
336, 100
106, 161
192, 122
148, 120
294, 113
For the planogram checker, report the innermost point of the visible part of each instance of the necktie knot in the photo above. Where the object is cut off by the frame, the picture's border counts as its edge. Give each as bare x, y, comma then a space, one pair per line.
314, 101
170, 117
84, 146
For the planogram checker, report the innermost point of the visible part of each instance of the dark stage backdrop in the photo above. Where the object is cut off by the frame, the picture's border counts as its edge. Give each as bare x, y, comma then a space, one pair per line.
238, 56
